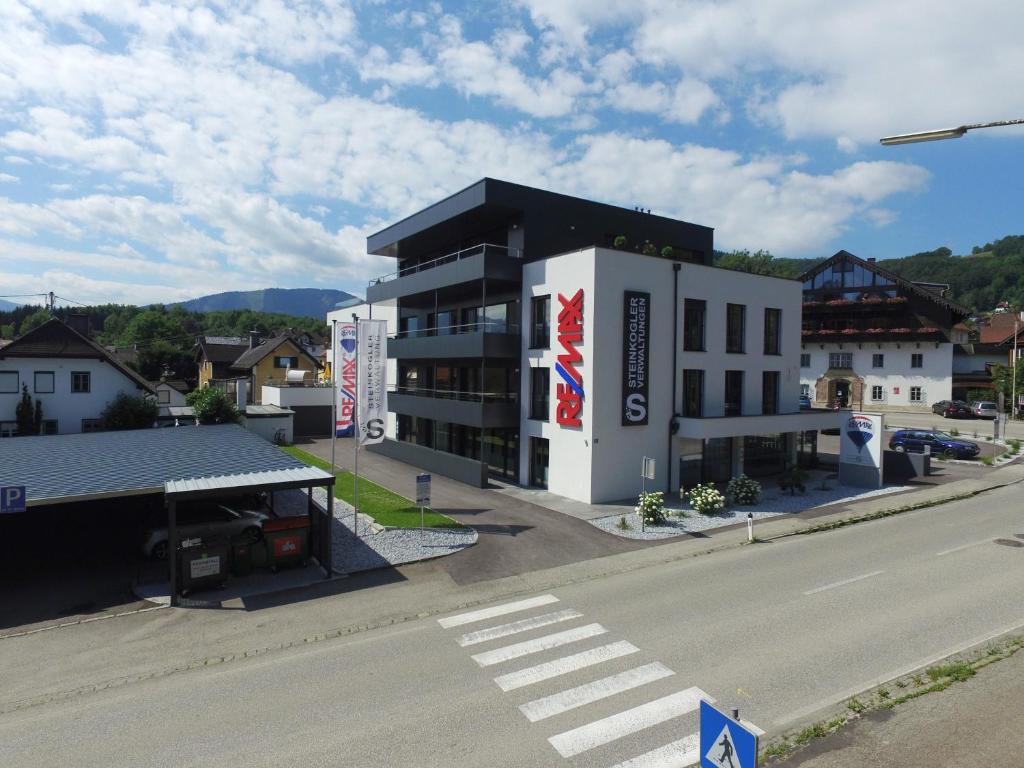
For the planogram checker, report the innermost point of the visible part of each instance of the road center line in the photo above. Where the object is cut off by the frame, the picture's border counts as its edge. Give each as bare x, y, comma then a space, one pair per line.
842, 583
564, 665
498, 655
677, 754
581, 695
496, 610
963, 546
523, 625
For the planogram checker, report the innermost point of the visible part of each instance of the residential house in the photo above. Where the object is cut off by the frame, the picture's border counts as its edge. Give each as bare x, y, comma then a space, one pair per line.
215, 354
170, 393
73, 377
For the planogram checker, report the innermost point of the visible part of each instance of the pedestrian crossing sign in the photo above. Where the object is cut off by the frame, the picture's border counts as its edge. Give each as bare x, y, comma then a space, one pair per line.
725, 742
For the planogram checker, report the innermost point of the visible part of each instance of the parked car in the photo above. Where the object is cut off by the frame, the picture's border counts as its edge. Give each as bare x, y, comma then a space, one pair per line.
805, 402
940, 443
196, 520
984, 409
953, 409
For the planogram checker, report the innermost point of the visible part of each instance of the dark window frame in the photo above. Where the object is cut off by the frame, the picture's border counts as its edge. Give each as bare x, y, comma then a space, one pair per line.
536, 342
17, 382
75, 388
733, 408
735, 339
878, 360
770, 395
805, 359
92, 425
693, 408
695, 322
35, 382
540, 406
279, 358
917, 360
772, 340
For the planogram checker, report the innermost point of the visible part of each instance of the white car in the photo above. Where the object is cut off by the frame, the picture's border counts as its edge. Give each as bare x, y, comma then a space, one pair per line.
984, 409
203, 519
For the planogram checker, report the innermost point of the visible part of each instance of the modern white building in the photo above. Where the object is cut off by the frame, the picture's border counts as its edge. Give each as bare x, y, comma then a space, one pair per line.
71, 376
873, 340
555, 342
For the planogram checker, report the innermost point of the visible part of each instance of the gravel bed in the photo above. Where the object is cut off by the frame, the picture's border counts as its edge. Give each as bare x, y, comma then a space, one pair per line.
772, 504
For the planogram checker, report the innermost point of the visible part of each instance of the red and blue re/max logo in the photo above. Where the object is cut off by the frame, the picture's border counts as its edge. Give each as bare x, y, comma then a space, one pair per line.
570, 333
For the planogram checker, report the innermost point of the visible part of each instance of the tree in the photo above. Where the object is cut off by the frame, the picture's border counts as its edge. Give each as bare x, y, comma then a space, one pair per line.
24, 414
7, 331
34, 320
212, 406
129, 412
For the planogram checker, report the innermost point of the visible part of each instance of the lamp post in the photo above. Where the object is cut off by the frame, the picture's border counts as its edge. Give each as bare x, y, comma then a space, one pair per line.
942, 133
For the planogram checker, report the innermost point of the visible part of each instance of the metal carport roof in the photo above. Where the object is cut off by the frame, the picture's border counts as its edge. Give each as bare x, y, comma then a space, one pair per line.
57, 469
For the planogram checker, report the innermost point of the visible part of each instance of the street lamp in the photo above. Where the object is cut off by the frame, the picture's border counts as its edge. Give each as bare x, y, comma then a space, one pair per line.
943, 133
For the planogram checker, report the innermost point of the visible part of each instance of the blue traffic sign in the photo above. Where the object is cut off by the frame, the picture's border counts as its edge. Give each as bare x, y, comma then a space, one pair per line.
12, 498
724, 742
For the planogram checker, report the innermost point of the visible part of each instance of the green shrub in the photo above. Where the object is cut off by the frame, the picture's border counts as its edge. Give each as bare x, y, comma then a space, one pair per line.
212, 406
651, 507
986, 460
619, 241
743, 490
1015, 446
128, 412
792, 480
706, 499
954, 432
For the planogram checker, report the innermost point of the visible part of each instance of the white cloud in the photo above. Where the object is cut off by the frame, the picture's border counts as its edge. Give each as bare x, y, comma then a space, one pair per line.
8, 178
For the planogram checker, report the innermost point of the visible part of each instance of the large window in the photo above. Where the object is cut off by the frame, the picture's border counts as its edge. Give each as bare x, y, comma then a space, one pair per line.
877, 393
805, 359
916, 396
693, 393
735, 327
8, 382
769, 392
409, 327
840, 360
496, 317
917, 360
43, 384
81, 381
540, 385
878, 360
772, 331
733, 393
694, 320
282, 361
540, 322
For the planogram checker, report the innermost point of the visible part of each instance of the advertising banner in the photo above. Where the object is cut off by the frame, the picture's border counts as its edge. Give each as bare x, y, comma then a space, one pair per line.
861, 437
345, 378
372, 359
569, 392
636, 334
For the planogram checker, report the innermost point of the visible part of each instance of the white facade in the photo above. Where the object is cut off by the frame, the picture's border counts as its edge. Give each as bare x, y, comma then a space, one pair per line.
600, 460
168, 397
72, 411
895, 384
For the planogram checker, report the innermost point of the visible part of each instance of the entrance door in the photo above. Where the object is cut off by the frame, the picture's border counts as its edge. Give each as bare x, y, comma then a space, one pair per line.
539, 462
841, 392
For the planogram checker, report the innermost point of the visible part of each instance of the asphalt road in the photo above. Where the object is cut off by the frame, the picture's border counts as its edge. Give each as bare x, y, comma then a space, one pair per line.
967, 427
781, 630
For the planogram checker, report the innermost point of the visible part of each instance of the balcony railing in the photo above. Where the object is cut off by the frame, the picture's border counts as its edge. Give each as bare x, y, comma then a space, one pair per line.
466, 253
297, 384
487, 326
466, 397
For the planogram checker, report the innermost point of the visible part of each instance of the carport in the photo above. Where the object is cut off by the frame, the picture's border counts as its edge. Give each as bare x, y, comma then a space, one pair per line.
181, 463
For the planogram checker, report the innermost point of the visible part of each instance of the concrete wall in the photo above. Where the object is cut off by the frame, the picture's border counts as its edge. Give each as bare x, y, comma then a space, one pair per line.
286, 397
267, 426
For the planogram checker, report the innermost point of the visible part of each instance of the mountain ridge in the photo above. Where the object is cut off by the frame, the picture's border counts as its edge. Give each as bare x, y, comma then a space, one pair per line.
298, 302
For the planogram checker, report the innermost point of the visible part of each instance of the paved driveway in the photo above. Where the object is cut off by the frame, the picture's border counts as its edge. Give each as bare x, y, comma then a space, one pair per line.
515, 536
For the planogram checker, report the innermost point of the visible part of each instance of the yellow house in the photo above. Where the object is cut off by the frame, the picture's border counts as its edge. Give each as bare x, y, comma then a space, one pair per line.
271, 361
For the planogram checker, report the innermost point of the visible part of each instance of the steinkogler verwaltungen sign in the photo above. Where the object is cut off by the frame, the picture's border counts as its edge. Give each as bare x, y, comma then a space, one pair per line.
636, 333
371, 358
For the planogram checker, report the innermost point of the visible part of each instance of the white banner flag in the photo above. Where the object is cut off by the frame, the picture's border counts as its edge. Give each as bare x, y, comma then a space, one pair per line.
372, 358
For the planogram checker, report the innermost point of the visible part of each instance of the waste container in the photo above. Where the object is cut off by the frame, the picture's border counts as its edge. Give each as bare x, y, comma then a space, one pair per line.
287, 541
241, 558
202, 563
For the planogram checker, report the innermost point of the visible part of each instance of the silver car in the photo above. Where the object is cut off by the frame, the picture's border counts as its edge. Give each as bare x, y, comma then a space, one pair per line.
984, 409
197, 520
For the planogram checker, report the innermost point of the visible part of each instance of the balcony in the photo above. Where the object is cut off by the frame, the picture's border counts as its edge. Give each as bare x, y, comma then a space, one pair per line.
475, 340
466, 266
474, 409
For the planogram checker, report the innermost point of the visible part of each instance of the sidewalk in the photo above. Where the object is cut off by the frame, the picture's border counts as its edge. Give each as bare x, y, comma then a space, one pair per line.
974, 724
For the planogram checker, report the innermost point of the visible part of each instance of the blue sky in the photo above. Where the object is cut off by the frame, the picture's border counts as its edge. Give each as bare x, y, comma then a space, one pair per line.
163, 150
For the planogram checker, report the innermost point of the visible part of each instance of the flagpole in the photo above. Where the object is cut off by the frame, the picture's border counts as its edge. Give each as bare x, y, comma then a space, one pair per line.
334, 392
356, 434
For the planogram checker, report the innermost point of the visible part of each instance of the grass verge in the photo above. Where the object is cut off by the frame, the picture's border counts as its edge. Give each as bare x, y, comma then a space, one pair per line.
382, 505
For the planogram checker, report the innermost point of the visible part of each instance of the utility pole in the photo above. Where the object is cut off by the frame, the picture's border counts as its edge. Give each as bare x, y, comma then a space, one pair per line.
1013, 386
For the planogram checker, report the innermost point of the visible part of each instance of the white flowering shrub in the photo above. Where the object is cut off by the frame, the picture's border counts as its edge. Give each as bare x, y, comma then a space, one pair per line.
706, 499
743, 490
651, 507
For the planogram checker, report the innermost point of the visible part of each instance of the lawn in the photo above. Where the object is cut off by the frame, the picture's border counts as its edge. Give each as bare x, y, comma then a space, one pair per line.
382, 505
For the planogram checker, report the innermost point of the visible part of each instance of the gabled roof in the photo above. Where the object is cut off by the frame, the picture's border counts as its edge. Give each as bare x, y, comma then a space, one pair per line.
892, 277
999, 329
251, 357
55, 339
221, 349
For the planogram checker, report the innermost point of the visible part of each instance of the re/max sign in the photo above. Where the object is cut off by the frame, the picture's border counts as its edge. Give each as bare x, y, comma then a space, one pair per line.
569, 392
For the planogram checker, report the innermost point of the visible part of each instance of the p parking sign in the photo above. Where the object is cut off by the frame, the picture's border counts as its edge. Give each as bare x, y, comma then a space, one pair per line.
12, 499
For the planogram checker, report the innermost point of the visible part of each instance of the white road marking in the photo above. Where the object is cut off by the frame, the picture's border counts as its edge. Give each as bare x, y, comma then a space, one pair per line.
843, 583
564, 665
524, 625
615, 727
678, 754
498, 655
496, 610
563, 701
963, 546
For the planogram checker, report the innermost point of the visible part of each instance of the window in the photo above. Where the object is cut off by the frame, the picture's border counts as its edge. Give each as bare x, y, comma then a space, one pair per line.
9, 382
877, 393
915, 395
694, 316
286, 362
735, 330
540, 386
540, 322
81, 381
805, 390
8, 428
444, 323
693, 393
496, 317
733, 393
769, 392
805, 360
49, 427
917, 360
409, 327
877, 361
772, 331
163, 397
92, 425
43, 384
840, 360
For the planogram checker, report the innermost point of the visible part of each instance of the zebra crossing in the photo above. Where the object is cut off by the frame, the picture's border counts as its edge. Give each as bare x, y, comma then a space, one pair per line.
564, 671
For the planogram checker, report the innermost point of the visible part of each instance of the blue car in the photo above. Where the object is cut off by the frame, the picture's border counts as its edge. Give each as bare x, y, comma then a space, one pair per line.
805, 402
940, 443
